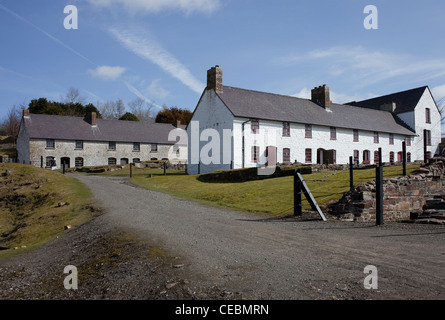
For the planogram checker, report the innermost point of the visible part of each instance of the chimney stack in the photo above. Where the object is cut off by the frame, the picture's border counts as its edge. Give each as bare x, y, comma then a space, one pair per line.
93, 119
26, 113
178, 124
214, 79
320, 95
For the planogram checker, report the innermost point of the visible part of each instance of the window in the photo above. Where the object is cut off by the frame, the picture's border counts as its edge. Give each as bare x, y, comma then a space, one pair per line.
255, 153
124, 161
399, 156
391, 138
391, 157
79, 144
333, 133
50, 162
356, 136
376, 137
50, 143
112, 145
111, 161
428, 137
408, 157
255, 126
286, 129
356, 156
366, 156
376, 156
286, 155
308, 131
427, 115
136, 146
78, 162
308, 155
136, 160
154, 147
408, 141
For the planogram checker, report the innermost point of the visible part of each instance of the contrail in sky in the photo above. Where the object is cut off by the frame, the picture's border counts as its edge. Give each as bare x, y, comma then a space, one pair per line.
45, 33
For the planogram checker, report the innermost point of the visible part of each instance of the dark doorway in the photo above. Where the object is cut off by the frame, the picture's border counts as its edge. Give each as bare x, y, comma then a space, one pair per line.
66, 161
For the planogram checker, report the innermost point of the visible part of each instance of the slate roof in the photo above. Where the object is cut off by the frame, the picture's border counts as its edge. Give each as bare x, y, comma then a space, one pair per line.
77, 128
268, 106
405, 101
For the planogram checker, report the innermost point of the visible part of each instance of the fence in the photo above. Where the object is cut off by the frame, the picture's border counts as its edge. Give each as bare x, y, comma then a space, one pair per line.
300, 185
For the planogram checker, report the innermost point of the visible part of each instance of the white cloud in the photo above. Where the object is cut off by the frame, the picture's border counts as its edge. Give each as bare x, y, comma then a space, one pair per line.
439, 94
150, 50
155, 6
137, 93
369, 66
107, 72
156, 90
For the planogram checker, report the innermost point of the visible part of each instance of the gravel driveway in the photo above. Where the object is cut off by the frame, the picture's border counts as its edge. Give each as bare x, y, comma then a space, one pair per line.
251, 257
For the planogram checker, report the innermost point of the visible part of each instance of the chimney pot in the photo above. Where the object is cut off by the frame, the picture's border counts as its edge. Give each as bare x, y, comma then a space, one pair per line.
178, 124
26, 113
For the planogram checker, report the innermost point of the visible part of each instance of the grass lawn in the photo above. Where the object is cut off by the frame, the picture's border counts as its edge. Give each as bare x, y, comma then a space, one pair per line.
29, 211
271, 196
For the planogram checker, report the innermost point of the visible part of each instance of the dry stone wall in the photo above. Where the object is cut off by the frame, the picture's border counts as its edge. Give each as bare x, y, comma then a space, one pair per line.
402, 196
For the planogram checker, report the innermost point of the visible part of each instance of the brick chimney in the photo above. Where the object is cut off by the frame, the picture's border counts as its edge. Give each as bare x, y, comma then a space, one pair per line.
93, 119
178, 124
320, 95
214, 79
26, 113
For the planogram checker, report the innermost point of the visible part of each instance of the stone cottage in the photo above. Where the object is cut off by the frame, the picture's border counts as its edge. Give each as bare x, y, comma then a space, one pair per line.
49, 141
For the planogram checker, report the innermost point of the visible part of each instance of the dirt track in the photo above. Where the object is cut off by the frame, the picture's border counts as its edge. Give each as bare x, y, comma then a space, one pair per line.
211, 253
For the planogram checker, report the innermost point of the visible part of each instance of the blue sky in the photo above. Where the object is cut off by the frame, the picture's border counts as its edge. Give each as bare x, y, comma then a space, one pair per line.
160, 50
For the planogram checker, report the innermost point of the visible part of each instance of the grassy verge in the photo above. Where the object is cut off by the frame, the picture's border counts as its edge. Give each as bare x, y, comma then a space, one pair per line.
271, 196
30, 214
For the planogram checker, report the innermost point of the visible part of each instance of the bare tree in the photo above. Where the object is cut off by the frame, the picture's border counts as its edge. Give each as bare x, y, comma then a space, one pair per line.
73, 96
11, 123
120, 108
141, 109
111, 109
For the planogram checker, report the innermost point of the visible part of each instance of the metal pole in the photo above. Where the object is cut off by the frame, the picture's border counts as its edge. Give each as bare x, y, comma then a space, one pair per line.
351, 174
404, 157
41, 161
425, 147
165, 168
380, 157
131, 170
63, 168
379, 191
297, 195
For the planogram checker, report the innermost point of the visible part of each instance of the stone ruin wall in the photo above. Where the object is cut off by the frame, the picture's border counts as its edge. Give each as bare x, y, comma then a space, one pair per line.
401, 196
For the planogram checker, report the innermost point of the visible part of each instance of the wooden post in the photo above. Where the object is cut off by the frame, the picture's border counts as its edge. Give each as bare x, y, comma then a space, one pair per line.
404, 157
165, 168
131, 170
379, 191
297, 195
351, 174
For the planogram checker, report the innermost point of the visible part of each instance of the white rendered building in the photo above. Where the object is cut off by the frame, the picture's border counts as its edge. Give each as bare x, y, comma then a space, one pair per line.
286, 129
